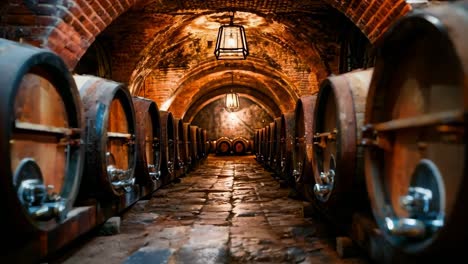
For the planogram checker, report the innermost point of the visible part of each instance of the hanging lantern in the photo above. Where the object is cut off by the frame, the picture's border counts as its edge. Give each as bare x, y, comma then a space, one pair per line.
231, 43
231, 101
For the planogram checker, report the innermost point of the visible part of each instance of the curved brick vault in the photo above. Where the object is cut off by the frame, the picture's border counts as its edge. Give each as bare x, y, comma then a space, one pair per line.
293, 40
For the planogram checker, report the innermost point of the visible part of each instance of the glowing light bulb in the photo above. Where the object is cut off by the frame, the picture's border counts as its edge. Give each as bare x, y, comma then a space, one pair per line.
231, 41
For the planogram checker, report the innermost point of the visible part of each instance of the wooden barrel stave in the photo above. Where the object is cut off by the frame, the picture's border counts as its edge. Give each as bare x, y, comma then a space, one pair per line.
416, 131
148, 134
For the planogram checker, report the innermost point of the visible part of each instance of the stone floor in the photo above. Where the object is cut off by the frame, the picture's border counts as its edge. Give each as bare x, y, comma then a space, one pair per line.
229, 210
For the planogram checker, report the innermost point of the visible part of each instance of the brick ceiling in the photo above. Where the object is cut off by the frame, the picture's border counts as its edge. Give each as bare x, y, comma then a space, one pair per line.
163, 49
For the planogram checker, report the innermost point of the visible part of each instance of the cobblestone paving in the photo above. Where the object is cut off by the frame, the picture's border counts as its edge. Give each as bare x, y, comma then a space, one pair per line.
229, 210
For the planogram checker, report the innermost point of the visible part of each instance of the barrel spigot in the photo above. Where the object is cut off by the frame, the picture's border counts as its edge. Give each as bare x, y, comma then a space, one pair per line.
154, 174
32, 192
121, 178
417, 201
422, 204
170, 167
326, 186
297, 172
41, 205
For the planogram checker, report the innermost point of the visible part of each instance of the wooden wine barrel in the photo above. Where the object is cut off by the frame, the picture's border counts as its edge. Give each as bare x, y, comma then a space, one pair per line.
41, 141
194, 139
207, 142
187, 145
416, 116
266, 146
287, 141
111, 150
276, 167
212, 146
223, 146
200, 144
261, 145
168, 145
272, 146
204, 143
251, 146
148, 136
179, 166
337, 159
256, 144
302, 152
183, 141
240, 145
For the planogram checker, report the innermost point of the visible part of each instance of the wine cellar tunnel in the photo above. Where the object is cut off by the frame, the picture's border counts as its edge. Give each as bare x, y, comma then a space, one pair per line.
353, 112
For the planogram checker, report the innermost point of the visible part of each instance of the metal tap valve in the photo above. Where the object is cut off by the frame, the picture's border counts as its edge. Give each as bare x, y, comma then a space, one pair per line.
32, 192
326, 186
297, 173
121, 178
155, 174
417, 201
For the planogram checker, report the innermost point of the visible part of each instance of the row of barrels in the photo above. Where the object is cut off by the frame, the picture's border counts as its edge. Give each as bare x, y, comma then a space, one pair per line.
388, 140
232, 146
68, 140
